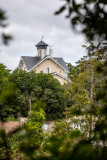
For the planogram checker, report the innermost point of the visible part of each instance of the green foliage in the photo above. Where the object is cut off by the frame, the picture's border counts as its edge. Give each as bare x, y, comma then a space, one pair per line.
5, 151
62, 127
7, 93
3, 76
76, 95
3, 71
89, 105
73, 71
38, 86
14, 141
37, 114
55, 103
86, 98
33, 129
47, 81
11, 118
82, 151
75, 134
7, 98
25, 81
52, 95
59, 147
26, 142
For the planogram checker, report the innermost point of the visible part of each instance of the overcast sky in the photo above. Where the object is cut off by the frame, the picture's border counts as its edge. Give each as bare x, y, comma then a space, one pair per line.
29, 20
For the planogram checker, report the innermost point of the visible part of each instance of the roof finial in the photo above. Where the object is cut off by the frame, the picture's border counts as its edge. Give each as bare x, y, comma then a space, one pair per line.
42, 38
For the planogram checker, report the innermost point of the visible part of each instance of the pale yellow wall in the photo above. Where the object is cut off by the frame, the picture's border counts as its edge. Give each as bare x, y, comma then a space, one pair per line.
49, 63
60, 79
22, 65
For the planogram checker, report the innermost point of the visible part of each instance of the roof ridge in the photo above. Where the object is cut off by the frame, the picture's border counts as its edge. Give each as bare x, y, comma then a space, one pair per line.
57, 57
26, 56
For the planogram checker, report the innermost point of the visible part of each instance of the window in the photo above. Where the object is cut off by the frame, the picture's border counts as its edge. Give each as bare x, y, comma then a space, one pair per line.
66, 74
48, 70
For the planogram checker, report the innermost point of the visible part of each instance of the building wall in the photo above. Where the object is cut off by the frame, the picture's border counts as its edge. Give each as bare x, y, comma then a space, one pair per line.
22, 65
51, 64
60, 79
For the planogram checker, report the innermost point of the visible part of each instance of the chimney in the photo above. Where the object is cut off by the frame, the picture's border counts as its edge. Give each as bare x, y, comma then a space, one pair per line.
51, 51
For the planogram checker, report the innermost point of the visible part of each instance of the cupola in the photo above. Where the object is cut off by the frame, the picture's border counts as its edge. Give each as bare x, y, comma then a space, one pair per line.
42, 49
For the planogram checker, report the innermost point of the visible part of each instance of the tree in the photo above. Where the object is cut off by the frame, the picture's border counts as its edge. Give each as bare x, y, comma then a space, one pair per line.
32, 86
90, 141
3, 76
7, 93
25, 81
34, 132
52, 94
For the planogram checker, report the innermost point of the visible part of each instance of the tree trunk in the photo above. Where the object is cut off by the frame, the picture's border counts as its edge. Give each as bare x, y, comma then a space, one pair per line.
30, 106
92, 84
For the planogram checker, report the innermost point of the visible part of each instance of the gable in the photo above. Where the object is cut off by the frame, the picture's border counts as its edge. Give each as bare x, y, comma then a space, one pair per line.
48, 63
32, 62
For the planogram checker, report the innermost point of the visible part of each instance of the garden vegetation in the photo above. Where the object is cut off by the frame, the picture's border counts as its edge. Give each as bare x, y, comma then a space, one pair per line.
78, 109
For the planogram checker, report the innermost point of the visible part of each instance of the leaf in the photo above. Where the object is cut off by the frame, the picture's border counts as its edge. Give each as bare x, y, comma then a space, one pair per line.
6, 38
75, 20
82, 151
69, 12
75, 134
60, 10
74, 5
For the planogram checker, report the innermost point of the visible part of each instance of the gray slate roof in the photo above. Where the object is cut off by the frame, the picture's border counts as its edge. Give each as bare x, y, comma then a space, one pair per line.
30, 62
61, 62
41, 43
